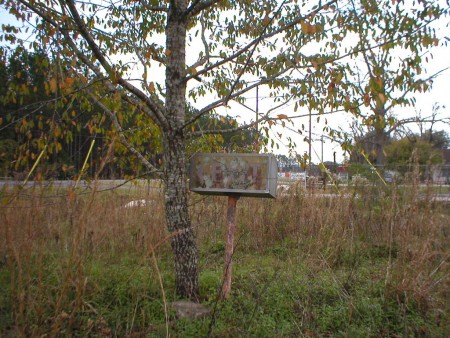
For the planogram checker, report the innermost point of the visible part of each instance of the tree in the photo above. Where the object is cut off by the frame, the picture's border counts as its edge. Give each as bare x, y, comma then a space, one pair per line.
365, 145
30, 114
227, 138
28, 109
33, 121
438, 139
222, 49
412, 150
384, 78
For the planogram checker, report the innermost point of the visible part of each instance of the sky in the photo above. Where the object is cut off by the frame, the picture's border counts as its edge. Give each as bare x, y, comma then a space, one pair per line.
438, 94
323, 148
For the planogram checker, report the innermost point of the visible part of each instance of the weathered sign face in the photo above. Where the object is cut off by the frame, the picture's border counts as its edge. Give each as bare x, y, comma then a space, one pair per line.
242, 174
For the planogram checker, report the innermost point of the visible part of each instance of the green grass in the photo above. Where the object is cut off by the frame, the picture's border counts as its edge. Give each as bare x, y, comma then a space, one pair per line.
372, 266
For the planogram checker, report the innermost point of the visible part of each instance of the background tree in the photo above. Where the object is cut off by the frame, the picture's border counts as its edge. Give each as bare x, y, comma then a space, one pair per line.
382, 79
412, 150
226, 139
28, 113
36, 115
438, 139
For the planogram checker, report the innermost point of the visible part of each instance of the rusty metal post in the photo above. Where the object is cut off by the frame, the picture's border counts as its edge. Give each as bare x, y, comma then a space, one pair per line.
229, 247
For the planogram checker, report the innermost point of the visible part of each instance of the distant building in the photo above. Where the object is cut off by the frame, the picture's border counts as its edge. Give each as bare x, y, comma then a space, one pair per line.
446, 156
445, 170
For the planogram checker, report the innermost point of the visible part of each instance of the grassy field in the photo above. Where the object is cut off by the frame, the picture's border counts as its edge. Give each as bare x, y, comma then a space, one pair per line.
373, 262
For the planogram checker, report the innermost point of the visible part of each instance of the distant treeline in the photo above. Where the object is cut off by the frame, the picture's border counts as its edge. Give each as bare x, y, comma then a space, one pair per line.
43, 111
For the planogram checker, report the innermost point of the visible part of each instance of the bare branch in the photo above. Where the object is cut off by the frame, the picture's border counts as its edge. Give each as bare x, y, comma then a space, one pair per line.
153, 105
264, 118
117, 125
221, 102
198, 5
417, 119
249, 57
205, 44
153, 8
260, 38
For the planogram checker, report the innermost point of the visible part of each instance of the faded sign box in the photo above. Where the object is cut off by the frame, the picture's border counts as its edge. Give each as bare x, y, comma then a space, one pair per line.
253, 175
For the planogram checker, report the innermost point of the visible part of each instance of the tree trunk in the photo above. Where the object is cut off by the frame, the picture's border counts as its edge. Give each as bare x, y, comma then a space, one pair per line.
178, 222
177, 216
380, 132
380, 142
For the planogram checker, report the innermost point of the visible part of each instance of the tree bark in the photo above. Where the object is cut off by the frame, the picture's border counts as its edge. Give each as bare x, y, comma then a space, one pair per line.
380, 132
380, 142
177, 217
178, 222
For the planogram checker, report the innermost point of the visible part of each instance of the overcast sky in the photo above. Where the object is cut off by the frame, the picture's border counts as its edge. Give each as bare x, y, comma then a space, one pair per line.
439, 93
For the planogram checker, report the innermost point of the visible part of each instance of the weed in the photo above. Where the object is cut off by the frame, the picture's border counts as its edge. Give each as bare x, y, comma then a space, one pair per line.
372, 261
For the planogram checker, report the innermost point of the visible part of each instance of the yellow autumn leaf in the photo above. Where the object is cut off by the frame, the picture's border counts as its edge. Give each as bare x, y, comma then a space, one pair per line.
151, 87
266, 20
68, 81
366, 99
307, 28
282, 116
53, 85
379, 82
382, 98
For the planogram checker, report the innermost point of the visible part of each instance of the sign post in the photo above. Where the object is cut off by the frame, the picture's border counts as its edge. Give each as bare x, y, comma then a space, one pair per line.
233, 175
229, 246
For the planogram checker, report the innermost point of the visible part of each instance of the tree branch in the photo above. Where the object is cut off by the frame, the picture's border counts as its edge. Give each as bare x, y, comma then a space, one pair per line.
246, 126
117, 125
113, 74
259, 39
221, 102
407, 91
197, 6
154, 110
153, 8
109, 85
249, 57
429, 119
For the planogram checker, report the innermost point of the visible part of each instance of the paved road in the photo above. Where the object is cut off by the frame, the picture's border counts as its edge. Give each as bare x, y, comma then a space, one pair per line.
156, 184
100, 184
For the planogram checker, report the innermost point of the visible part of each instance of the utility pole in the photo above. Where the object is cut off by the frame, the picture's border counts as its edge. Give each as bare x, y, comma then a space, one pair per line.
321, 152
334, 161
310, 140
257, 128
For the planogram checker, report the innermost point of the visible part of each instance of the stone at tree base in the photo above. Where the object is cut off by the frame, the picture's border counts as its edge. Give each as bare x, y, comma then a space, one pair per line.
190, 310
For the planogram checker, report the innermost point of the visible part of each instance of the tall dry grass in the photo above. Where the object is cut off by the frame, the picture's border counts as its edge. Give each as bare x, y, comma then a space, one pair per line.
401, 227
51, 241
56, 232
